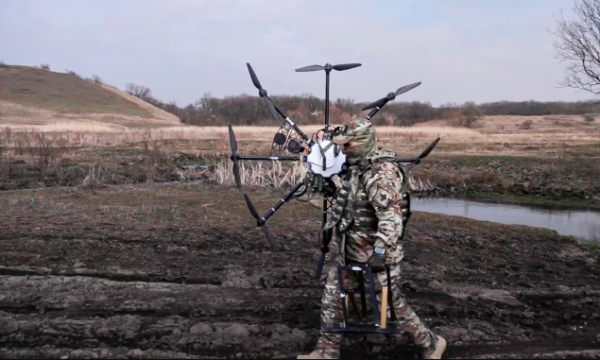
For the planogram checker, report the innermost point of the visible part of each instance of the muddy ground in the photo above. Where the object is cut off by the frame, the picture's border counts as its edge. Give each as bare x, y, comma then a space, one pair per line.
173, 270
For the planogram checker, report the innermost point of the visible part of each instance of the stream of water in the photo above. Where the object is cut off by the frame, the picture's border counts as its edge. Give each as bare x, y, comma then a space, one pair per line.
584, 224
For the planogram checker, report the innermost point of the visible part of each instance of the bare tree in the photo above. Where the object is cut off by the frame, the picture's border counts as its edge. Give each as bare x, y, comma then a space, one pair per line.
97, 79
471, 113
139, 91
578, 45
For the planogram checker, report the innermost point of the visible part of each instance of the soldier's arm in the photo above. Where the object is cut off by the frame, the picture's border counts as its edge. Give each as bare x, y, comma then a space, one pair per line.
384, 192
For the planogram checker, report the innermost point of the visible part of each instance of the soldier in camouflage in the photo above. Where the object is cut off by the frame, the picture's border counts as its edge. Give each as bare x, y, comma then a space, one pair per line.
369, 220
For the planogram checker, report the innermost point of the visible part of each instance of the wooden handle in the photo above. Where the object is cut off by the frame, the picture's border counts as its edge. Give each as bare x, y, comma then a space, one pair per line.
384, 306
357, 308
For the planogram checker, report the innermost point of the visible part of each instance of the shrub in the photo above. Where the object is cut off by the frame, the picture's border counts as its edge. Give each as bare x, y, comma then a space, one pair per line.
589, 118
97, 79
72, 73
526, 125
470, 114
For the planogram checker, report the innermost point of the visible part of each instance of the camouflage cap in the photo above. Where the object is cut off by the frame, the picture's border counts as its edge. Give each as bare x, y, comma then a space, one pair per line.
360, 132
348, 131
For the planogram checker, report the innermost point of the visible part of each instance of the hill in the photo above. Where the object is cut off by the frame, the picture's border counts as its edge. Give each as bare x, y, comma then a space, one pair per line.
33, 96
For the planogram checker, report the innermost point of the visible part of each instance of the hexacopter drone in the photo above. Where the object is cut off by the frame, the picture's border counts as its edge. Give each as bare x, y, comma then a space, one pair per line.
325, 159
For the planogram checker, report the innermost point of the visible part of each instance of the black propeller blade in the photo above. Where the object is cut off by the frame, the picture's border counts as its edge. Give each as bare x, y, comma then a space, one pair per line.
260, 222
391, 96
417, 160
339, 67
236, 166
263, 93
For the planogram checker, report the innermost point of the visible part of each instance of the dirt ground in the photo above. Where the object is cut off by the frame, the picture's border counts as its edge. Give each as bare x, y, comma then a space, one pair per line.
181, 271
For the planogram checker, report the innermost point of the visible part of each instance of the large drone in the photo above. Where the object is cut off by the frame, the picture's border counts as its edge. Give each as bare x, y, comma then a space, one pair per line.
325, 159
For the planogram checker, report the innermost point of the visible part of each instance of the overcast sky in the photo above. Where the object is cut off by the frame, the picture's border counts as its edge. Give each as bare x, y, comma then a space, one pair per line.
479, 50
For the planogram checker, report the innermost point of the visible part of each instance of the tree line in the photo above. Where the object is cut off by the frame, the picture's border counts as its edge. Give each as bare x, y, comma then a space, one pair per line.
308, 109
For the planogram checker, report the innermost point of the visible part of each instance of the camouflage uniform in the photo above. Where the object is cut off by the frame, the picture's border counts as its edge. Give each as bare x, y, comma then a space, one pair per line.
368, 214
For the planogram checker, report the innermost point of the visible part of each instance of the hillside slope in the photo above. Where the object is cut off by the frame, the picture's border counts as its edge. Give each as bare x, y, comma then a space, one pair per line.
32, 96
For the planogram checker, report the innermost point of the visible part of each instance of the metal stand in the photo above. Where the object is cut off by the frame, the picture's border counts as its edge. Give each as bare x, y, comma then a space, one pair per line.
379, 310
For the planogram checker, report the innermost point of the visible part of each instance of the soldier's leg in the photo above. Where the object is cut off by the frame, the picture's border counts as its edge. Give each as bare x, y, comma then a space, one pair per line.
328, 345
408, 321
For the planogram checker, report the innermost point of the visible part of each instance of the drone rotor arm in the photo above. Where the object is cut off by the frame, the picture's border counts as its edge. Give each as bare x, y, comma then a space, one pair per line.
234, 157
261, 221
302, 134
269, 158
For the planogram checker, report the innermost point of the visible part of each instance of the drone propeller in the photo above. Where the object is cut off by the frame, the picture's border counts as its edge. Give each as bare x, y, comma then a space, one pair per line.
260, 221
234, 158
417, 160
339, 67
328, 67
377, 105
262, 92
273, 108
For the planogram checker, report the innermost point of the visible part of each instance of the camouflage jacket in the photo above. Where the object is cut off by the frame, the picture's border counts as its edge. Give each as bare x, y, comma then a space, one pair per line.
371, 213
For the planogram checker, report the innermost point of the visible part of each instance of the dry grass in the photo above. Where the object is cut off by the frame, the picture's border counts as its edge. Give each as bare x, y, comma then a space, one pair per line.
32, 96
512, 124
257, 140
277, 175
61, 93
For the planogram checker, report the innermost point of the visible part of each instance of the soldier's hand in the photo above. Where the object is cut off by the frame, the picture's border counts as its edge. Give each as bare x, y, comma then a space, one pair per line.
377, 262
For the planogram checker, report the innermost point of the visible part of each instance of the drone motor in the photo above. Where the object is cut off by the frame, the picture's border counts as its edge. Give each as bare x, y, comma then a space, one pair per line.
294, 146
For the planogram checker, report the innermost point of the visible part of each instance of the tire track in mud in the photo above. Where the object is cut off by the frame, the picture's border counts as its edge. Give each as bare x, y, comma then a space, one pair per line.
84, 313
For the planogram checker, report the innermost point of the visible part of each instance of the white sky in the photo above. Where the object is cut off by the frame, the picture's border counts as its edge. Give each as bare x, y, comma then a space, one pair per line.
462, 50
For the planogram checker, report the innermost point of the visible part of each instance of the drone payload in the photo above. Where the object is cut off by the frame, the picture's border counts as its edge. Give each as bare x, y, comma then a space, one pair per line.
324, 158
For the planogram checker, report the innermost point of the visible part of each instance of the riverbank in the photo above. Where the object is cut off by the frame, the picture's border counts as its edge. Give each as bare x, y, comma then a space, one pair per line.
162, 270
571, 183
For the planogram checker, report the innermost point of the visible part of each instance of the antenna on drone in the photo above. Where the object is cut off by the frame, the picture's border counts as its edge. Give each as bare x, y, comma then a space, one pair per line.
328, 67
326, 235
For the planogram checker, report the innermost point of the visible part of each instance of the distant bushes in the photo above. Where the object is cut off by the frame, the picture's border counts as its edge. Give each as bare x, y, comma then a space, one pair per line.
308, 109
589, 118
72, 73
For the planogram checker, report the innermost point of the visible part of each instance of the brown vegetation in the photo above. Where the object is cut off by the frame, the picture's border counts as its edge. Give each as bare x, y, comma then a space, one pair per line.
31, 96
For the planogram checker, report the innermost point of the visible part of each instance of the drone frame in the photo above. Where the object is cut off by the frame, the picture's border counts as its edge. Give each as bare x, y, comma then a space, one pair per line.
290, 135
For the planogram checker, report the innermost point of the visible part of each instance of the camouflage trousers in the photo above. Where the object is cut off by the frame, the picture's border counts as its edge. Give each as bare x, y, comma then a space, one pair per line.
332, 312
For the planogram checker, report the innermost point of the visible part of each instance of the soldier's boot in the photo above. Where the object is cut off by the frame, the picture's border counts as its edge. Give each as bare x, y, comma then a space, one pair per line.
328, 347
437, 350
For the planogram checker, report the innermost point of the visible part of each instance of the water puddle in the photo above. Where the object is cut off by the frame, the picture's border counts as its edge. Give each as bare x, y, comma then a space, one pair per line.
584, 224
